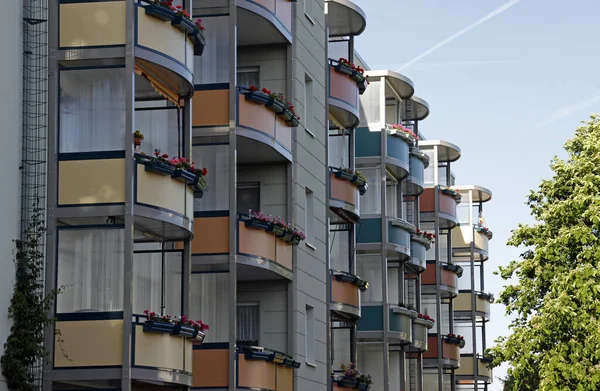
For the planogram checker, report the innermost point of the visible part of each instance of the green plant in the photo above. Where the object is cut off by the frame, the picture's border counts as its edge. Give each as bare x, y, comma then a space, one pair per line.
28, 309
138, 134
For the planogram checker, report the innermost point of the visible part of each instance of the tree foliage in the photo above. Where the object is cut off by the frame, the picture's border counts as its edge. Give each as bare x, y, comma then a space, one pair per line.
555, 299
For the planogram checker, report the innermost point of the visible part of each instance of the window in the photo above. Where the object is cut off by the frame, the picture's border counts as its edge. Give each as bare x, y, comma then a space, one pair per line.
310, 334
90, 267
248, 197
339, 239
248, 76
309, 9
309, 216
248, 322
309, 99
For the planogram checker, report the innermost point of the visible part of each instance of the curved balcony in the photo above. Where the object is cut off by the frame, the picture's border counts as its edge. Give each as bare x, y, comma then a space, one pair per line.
415, 183
463, 306
370, 326
446, 152
461, 242
261, 254
398, 241
96, 30
420, 341
368, 151
344, 18
266, 132
262, 22
414, 109
446, 209
473, 369
450, 355
418, 254
93, 185
258, 368
345, 296
344, 193
449, 275
345, 85
158, 357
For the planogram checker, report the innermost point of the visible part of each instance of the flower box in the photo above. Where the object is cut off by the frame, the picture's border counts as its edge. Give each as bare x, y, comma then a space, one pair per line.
362, 189
199, 41
276, 106
184, 176
152, 326
358, 77
159, 12
344, 175
258, 97
257, 224
344, 68
159, 168
183, 24
183, 331
198, 336
293, 122
278, 231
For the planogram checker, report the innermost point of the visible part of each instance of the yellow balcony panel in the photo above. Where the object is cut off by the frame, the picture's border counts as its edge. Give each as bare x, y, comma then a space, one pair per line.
343, 199
463, 236
463, 306
345, 296
450, 354
263, 22
92, 24
473, 369
448, 281
91, 182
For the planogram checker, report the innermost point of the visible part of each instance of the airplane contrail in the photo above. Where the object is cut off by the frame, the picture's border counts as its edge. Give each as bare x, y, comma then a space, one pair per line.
470, 27
568, 110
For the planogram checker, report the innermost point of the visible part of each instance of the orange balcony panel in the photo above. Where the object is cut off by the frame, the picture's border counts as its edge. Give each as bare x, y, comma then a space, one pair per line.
260, 244
255, 116
449, 281
256, 374
450, 353
447, 203
285, 378
344, 190
211, 368
211, 235
210, 108
344, 292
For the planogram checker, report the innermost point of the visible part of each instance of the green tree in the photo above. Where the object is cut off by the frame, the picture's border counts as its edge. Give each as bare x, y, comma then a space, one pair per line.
555, 297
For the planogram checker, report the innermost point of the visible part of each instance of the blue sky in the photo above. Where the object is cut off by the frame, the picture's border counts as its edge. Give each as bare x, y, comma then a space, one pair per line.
509, 92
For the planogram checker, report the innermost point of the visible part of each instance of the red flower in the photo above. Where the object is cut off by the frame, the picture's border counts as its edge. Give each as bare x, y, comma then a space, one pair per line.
253, 89
165, 156
204, 171
179, 7
264, 90
193, 168
146, 312
172, 8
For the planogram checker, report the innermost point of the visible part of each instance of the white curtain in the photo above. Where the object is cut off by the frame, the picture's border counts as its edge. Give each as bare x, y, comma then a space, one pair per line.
371, 202
209, 302
213, 65
90, 269
147, 282
368, 267
216, 159
160, 130
92, 110
248, 322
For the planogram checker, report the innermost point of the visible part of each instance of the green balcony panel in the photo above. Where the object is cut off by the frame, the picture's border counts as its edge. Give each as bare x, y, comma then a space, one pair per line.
371, 318
369, 231
367, 143
398, 236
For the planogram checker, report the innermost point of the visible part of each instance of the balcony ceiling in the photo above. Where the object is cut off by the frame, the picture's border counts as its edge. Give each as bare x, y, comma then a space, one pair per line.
414, 109
399, 86
447, 152
345, 18
480, 194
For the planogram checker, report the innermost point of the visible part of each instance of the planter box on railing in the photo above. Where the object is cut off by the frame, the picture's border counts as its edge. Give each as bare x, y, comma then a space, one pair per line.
181, 23
358, 77
359, 182
272, 104
272, 228
352, 384
363, 285
258, 353
194, 181
177, 330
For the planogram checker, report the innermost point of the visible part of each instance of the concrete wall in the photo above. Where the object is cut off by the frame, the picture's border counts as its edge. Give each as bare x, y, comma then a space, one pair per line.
271, 297
273, 187
10, 154
310, 273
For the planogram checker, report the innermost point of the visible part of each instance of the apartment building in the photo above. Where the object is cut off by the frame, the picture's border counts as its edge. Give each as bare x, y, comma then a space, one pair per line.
237, 163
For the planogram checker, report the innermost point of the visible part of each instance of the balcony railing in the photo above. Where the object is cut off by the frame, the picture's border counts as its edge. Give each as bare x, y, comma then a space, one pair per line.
446, 210
450, 353
449, 275
345, 296
345, 86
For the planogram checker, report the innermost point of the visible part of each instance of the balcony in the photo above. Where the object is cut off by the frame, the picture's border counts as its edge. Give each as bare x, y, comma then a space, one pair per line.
446, 152
344, 18
463, 305
93, 185
418, 162
345, 85
344, 191
262, 254
461, 242
450, 355
421, 329
345, 296
368, 151
414, 109
157, 357
370, 326
258, 368
473, 369
418, 253
398, 242
446, 209
449, 275
97, 30
262, 22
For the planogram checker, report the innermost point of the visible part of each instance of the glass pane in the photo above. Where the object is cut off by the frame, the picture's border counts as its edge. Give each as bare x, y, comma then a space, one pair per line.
216, 159
173, 282
370, 361
370, 102
428, 178
92, 110
368, 267
393, 286
248, 197
213, 65
248, 322
209, 302
90, 268
339, 244
160, 130
391, 115
339, 151
341, 347
391, 200
147, 283
370, 203
247, 79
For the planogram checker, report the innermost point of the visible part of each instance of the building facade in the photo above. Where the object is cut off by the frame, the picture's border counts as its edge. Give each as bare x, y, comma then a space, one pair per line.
238, 163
